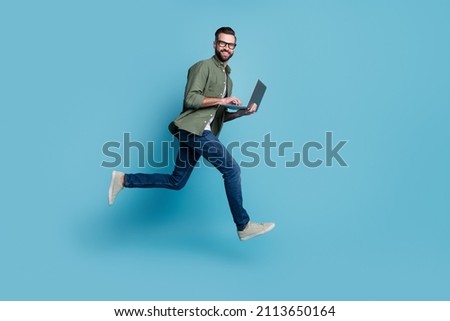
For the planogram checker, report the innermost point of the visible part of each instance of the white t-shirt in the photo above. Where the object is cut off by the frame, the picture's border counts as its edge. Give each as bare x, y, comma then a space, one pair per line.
208, 124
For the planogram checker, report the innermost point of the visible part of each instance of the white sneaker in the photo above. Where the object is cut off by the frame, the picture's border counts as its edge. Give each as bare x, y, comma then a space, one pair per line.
115, 186
255, 229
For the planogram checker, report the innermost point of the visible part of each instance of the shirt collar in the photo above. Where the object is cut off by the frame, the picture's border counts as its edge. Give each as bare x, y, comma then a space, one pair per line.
220, 64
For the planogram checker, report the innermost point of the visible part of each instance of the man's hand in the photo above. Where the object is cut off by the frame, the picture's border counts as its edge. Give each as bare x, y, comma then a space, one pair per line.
211, 101
250, 110
243, 112
231, 101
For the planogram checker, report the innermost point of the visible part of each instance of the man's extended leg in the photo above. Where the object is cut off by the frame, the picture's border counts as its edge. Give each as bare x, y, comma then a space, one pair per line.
185, 162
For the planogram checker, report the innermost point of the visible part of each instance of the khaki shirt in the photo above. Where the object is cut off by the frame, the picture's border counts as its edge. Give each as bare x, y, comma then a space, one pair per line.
207, 78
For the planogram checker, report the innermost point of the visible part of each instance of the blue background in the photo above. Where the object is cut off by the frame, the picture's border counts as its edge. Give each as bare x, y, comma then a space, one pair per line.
76, 74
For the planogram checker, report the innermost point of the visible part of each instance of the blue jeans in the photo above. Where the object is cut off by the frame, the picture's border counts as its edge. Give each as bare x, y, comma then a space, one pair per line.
191, 148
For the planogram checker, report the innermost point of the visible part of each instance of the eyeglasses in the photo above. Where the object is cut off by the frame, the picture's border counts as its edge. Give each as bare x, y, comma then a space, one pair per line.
223, 44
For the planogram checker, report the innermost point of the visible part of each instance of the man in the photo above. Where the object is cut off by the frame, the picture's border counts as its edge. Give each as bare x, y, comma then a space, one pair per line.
197, 127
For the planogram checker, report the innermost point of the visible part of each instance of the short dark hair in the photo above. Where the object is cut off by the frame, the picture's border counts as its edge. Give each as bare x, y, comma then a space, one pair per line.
226, 30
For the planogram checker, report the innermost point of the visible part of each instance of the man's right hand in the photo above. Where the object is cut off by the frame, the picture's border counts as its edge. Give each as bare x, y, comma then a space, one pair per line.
210, 101
231, 101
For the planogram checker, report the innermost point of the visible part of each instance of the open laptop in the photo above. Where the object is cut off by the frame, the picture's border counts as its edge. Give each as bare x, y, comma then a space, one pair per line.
256, 98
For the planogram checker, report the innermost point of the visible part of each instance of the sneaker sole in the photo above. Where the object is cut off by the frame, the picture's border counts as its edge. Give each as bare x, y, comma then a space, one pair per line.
258, 234
111, 185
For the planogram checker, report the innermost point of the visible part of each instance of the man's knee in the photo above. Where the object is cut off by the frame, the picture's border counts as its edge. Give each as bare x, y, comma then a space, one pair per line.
232, 169
177, 183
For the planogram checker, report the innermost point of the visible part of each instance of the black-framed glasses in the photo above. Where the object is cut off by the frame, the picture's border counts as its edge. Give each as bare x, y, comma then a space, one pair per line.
229, 44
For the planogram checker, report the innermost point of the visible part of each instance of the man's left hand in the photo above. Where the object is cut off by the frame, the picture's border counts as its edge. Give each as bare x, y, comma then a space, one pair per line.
250, 110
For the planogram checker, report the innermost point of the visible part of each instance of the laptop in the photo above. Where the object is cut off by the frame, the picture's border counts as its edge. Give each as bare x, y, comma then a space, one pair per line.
256, 97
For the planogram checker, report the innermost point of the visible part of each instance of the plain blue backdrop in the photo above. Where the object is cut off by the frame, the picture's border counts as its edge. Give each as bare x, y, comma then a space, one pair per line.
77, 74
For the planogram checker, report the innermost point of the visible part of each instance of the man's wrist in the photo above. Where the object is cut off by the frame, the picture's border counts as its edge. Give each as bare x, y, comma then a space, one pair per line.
211, 101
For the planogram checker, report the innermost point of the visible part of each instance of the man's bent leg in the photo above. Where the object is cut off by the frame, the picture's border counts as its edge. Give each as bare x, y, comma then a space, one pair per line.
217, 154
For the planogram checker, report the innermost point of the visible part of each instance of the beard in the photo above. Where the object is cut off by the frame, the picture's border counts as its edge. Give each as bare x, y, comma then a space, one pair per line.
221, 57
